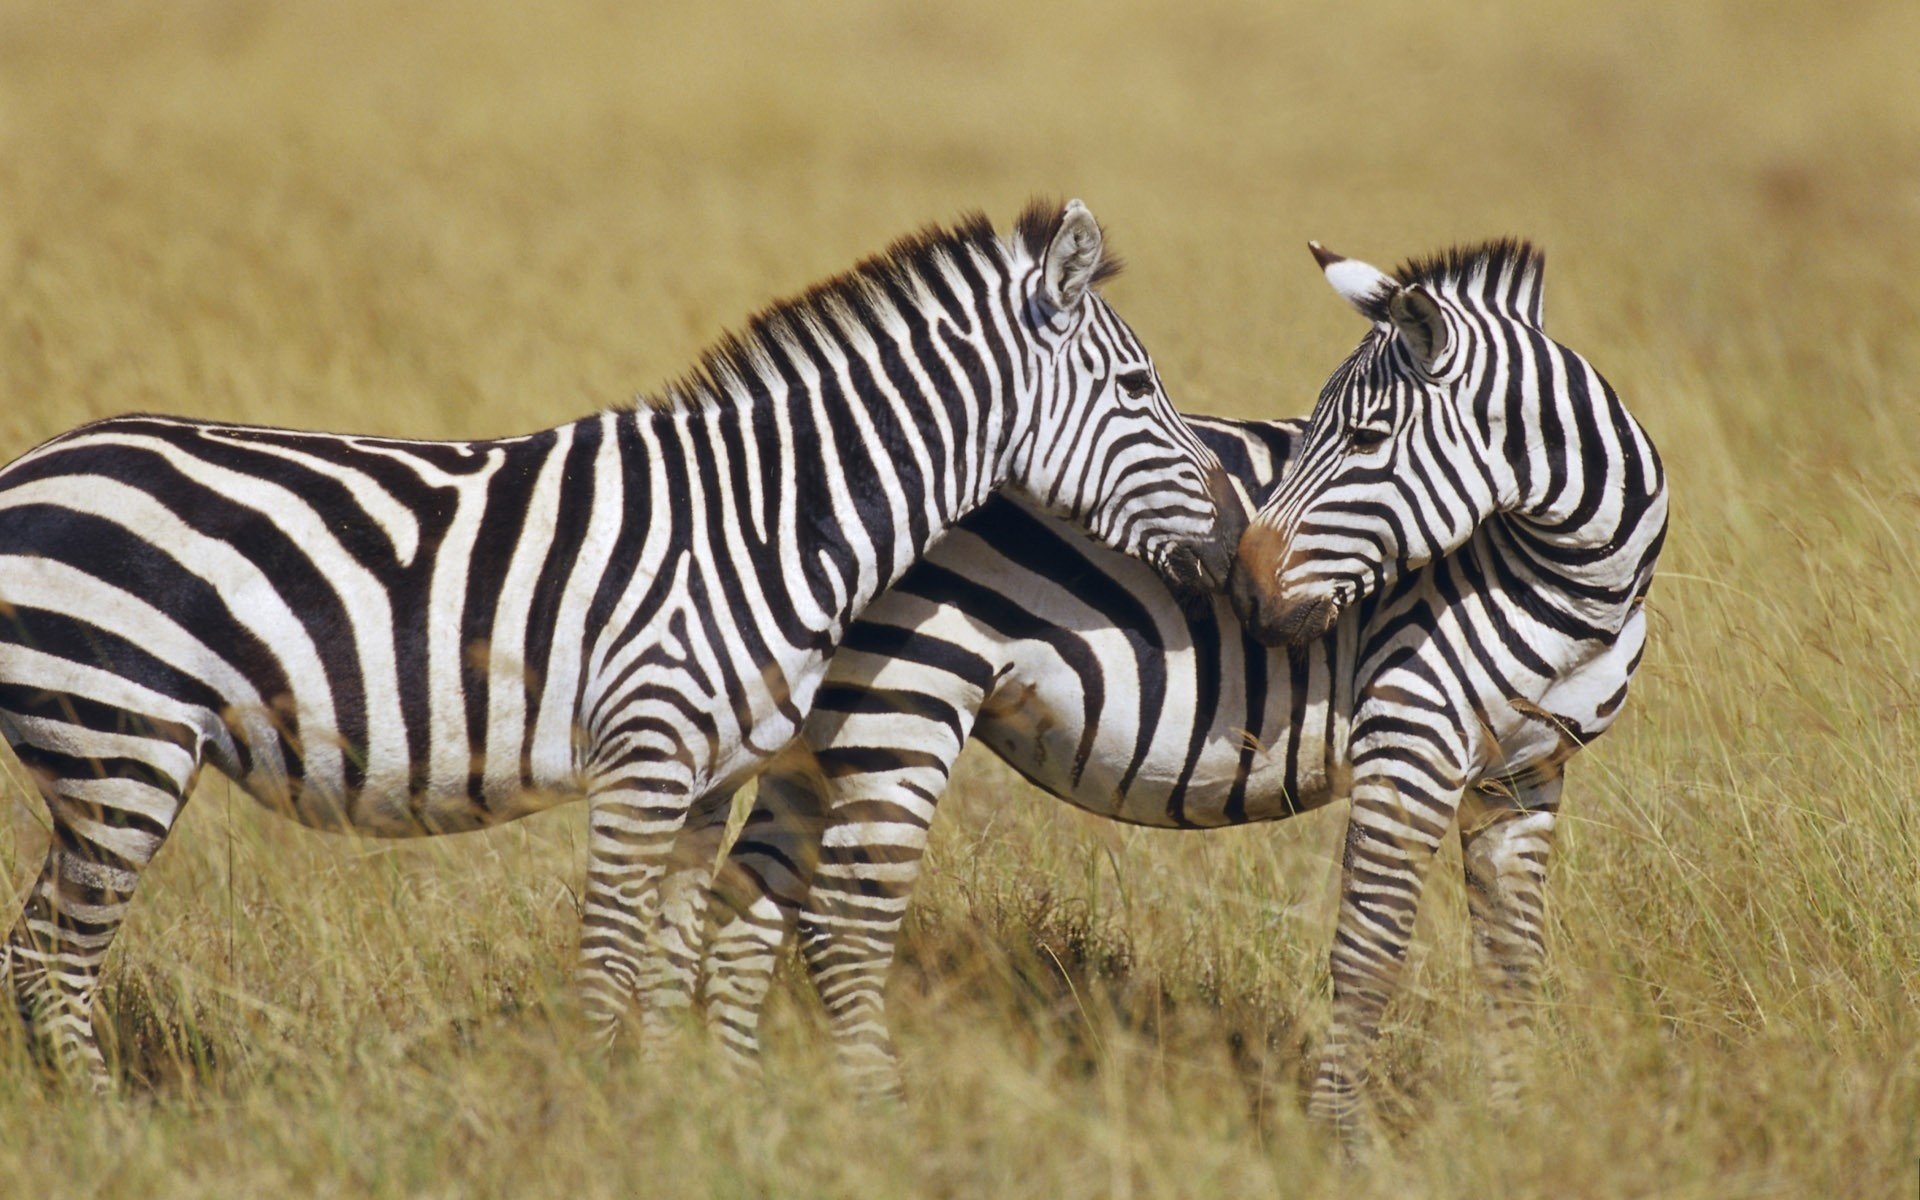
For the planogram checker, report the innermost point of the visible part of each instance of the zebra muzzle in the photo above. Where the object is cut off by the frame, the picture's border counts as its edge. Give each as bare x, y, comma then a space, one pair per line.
1200, 568
1217, 556
1263, 605
1273, 619
1301, 622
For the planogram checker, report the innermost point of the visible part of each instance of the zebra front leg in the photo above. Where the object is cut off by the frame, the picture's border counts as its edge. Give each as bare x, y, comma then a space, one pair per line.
633, 820
110, 817
1506, 835
669, 973
757, 897
870, 858
1392, 833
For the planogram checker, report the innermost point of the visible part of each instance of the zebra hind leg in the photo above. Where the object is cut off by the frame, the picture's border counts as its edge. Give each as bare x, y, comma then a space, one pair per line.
870, 858
1506, 835
756, 900
112, 799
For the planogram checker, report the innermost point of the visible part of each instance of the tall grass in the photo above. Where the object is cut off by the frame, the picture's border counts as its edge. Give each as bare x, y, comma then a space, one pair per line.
484, 219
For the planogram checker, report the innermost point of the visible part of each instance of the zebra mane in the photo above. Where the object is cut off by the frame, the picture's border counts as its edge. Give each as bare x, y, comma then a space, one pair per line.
1504, 274
870, 288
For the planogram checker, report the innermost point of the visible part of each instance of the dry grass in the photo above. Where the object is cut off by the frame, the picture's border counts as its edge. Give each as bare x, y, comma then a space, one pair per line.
459, 221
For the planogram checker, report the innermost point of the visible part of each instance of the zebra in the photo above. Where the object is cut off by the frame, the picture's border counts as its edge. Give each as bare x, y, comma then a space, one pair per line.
404, 638
1483, 514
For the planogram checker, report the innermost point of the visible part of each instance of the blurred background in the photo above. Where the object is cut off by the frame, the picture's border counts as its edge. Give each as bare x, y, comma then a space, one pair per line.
485, 218
465, 219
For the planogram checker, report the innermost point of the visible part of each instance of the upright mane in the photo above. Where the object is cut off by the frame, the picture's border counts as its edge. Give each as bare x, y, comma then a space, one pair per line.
913, 264
1504, 274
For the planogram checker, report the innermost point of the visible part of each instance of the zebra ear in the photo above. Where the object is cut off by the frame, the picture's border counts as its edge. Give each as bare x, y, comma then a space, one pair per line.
1416, 314
1073, 258
1365, 287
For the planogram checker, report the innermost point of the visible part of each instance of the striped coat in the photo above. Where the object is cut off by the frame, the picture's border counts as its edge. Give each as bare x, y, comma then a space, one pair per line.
401, 638
1082, 672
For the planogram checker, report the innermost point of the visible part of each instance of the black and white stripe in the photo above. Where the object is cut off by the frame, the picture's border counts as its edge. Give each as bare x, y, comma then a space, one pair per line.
1492, 632
1462, 439
402, 638
1078, 667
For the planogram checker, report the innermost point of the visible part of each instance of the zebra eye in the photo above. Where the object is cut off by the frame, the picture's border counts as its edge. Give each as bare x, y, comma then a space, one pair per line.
1135, 383
1363, 439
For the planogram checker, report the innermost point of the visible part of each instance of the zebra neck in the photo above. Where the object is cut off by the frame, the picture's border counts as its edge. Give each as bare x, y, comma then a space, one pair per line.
833, 492
1584, 539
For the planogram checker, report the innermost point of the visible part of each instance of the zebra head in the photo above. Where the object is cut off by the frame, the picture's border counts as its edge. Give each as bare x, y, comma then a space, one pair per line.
1401, 459
1107, 448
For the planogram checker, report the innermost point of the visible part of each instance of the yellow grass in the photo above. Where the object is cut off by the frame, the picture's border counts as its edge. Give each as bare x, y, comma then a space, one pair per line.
477, 219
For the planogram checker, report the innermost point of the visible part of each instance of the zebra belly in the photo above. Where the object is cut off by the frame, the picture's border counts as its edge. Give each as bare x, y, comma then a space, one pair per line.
1248, 762
1221, 789
1575, 709
74, 688
44, 717
403, 814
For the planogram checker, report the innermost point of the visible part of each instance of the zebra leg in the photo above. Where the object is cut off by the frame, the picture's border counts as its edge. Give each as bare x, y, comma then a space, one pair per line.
633, 821
110, 812
870, 859
1392, 833
1505, 839
670, 972
757, 897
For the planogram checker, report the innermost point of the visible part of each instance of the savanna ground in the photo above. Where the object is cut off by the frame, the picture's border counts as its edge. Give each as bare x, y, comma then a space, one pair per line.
479, 219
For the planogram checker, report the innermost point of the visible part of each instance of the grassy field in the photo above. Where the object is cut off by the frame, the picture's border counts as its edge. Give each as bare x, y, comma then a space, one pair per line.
479, 219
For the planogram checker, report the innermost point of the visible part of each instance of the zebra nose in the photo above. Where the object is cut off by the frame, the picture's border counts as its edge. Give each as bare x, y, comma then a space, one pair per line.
1218, 556
1250, 603
1253, 587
